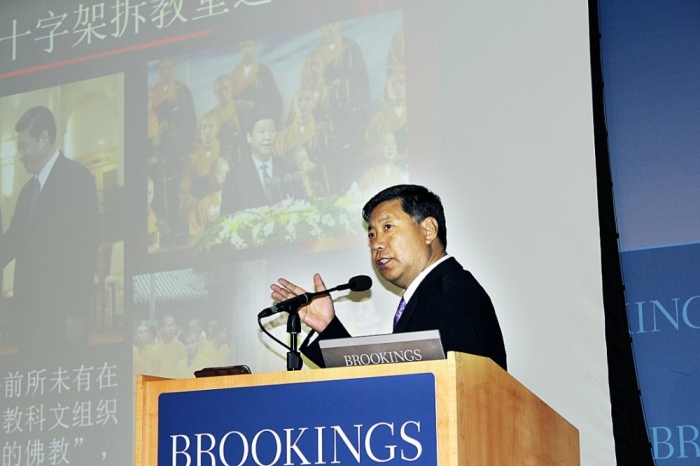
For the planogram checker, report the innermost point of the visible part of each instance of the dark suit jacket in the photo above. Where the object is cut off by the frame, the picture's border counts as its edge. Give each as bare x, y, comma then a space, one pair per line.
450, 300
55, 252
243, 189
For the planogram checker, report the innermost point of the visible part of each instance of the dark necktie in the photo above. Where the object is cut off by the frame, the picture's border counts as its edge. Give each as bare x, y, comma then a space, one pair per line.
265, 172
267, 181
34, 193
399, 311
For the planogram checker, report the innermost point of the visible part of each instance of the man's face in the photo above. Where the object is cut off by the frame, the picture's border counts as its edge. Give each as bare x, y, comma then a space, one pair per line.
223, 91
141, 335
386, 147
192, 344
331, 31
262, 139
33, 152
398, 244
208, 131
166, 70
247, 50
304, 102
169, 328
397, 87
316, 66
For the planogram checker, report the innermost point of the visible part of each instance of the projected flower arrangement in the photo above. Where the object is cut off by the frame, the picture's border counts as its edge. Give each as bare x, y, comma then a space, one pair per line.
289, 221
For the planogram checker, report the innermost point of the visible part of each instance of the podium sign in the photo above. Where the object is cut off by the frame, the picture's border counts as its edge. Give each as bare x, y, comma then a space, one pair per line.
376, 420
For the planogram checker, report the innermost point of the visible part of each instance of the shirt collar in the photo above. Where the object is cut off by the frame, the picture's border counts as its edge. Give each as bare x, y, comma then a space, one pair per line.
417, 281
259, 164
44, 173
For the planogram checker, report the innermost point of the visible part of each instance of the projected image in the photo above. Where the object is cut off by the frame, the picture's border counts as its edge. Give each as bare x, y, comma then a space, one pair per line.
178, 328
276, 140
61, 176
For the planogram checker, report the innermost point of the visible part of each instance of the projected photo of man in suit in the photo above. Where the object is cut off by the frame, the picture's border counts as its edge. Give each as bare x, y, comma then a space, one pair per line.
408, 238
259, 178
53, 237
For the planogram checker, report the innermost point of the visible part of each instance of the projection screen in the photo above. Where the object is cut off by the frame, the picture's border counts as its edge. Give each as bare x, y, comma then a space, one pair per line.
155, 99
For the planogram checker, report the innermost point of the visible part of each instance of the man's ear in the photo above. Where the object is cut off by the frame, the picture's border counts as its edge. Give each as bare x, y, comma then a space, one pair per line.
44, 138
248, 138
430, 229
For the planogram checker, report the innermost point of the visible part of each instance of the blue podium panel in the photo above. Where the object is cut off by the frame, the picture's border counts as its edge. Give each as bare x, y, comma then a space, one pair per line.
378, 420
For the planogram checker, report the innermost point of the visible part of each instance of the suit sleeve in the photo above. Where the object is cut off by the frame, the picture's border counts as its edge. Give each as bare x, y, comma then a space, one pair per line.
227, 196
468, 326
335, 329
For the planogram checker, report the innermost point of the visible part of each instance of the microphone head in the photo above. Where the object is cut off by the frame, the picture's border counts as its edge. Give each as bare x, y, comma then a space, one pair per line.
288, 178
360, 283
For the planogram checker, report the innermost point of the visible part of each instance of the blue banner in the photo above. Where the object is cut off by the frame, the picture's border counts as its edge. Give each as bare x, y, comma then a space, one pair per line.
663, 304
388, 420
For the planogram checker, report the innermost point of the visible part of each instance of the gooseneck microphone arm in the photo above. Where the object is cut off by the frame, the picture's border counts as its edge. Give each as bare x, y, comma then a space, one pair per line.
292, 305
358, 283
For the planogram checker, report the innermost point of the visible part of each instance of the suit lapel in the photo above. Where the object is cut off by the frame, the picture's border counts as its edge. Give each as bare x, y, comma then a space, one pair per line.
428, 282
257, 190
50, 186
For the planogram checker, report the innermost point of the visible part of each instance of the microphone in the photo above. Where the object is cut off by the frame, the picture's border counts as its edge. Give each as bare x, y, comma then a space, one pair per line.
298, 181
278, 190
267, 187
357, 283
289, 186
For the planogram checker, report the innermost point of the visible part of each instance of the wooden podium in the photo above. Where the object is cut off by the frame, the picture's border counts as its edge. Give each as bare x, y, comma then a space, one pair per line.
484, 416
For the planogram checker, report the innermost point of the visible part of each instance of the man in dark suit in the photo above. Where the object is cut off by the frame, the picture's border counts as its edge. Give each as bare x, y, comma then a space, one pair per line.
258, 179
408, 236
53, 238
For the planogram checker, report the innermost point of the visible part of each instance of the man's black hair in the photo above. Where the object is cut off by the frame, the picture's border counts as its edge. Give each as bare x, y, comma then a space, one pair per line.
257, 115
37, 120
417, 201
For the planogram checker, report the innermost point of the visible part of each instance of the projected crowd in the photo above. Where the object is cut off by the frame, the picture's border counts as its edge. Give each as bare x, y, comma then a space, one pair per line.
168, 350
244, 155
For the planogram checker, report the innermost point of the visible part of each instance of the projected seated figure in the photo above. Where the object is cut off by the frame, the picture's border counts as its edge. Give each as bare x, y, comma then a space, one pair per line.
52, 237
301, 125
345, 74
392, 115
384, 172
156, 227
142, 351
217, 350
258, 179
168, 351
347, 88
313, 78
226, 115
254, 86
313, 174
195, 182
396, 60
194, 360
207, 209
177, 130
195, 325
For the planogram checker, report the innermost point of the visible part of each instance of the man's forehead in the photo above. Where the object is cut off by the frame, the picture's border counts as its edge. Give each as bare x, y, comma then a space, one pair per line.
387, 210
374, 221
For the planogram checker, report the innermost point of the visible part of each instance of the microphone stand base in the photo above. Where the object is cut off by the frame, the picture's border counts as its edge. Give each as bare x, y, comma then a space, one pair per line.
294, 361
